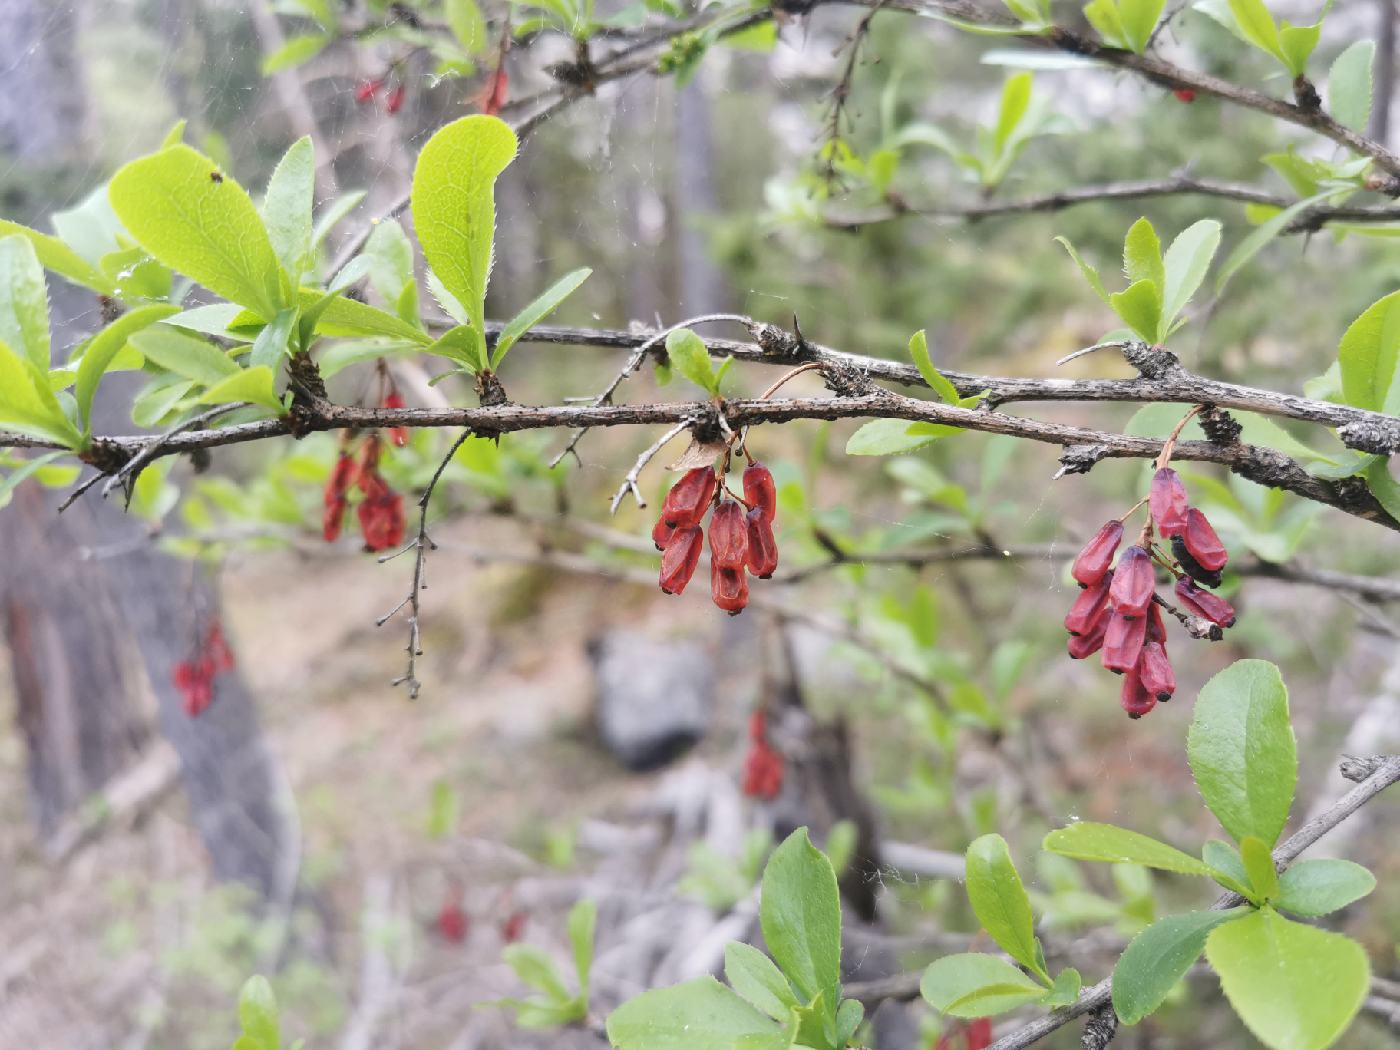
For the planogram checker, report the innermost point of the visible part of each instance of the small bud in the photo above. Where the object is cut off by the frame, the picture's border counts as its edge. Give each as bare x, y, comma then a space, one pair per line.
763, 548
729, 536
1096, 557
1191, 566
681, 556
1090, 606
729, 588
759, 490
690, 497
1135, 700
1202, 543
1122, 641
1204, 604
1155, 671
1133, 582
1168, 502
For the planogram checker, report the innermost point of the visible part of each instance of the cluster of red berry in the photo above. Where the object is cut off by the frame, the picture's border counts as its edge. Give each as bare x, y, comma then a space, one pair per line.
1118, 609
763, 765
1184, 95
194, 678
381, 512
975, 1035
741, 532
367, 90
453, 923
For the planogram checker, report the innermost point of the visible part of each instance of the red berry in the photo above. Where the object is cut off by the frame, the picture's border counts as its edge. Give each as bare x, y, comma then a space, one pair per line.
729, 588
1087, 644
1097, 555
729, 536
1202, 543
394, 101
1156, 630
690, 497
217, 648
332, 518
513, 927
1155, 671
1136, 700
1089, 607
763, 771
1168, 502
763, 548
452, 922
1122, 641
680, 558
1133, 582
1185, 95
758, 726
1204, 604
398, 436
759, 490
367, 89
661, 533
381, 516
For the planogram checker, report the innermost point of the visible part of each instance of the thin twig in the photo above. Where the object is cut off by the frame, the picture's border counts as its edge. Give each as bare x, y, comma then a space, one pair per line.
630, 481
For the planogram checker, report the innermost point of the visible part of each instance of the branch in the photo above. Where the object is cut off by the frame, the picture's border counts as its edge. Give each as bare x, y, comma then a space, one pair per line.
1376, 775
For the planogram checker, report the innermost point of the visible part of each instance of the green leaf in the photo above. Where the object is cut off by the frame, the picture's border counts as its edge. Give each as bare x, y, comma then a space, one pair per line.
888, 437
1369, 355
1140, 307
1186, 264
1319, 887
1258, 26
698, 1015
1349, 87
1260, 237
1227, 868
1158, 957
333, 213
583, 921
1297, 44
534, 966
1142, 254
461, 343
1015, 99
56, 256
937, 381
468, 27
1000, 903
351, 319
28, 405
287, 208
24, 301
1242, 750
754, 976
205, 227
537, 311
1065, 990
250, 384
297, 49
388, 257
41, 466
1085, 840
1259, 863
691, 359
848, 1019
800, 914
1294, 986
1090, 274
271, 345
1139, 18
1384, 486
454, 208
1103, 15
257, 1013
104, 346
976, 985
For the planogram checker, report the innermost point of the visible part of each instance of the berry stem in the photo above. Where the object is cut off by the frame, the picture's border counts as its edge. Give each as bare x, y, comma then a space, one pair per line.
1129, 512
1169, 445
808, 367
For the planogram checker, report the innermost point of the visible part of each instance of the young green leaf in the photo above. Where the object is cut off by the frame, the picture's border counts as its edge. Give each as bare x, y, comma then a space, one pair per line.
583, 920
1086, 840
199, 221
698, 1015
536, 312
286, 209
1297, 44
1259, 863
271, 345
1384, 486
976, 985
257, 1014
1139, 18
103, 348
1319, 887
1227, 868
250, 384
298, 49
1104, 16
691, 359
462, 344
1000, 903
1090, 274
28, 404
1015, 99
848, 1019
332, 213
346, 318
1140, 307
1260, 237
1185, 266
535, 967
1158, 957
1294, 986
1257, 26
889, 437
800, 914
936, 380
1242, 750
1349, 87
467, 25
24, 301
454, 207
1142, 255
56, 256
754, 976
1369, 356
1065, 990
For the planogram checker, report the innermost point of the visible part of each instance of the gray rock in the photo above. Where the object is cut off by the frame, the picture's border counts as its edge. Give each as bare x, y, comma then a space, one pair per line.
654, 696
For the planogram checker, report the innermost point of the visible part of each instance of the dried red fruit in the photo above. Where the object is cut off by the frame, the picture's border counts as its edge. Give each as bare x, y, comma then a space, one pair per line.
729, 588
1156, 629
1133, 582
194, 678
1136, 700
1184, 95
1089, 607
1122, 641
217, 648
1202, 543
681, 557
367, 89
1155, 671
398, 436
661, 533
1096, 557
729, 536
968, 1035
759, 490
1168, 502
1204, 604
514, 927
495, 96
1087, 644
763, 771
763, 547
393, 102
452, 922
382, 522
337, 485
1192, 567
690, 497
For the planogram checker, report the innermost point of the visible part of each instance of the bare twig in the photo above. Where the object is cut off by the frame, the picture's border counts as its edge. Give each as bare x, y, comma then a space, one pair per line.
630, 481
